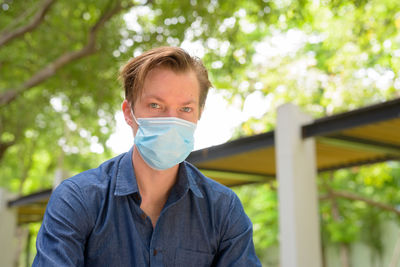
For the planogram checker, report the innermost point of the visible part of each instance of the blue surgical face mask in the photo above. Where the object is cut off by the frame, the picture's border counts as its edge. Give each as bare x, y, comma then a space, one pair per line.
164, 142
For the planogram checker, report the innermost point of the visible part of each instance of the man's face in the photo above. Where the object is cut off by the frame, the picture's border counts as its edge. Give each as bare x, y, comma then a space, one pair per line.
168, 94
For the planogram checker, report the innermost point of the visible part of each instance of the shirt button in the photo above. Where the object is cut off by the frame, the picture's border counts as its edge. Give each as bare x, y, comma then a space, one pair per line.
154, 252
144, 216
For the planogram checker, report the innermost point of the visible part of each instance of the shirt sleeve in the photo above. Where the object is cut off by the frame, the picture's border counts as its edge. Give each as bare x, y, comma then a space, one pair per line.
236, 247
65, 227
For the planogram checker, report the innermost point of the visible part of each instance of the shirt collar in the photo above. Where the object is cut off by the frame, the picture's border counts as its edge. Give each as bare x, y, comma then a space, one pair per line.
126, 183
126, 180
186, 179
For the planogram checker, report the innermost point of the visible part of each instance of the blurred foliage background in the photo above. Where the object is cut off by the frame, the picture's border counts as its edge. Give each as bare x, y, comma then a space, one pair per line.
59, 63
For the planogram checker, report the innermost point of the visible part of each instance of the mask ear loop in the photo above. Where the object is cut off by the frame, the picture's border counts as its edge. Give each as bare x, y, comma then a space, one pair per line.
133, 116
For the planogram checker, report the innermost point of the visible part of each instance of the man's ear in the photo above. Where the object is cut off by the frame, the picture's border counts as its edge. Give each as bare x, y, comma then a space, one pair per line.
126, 109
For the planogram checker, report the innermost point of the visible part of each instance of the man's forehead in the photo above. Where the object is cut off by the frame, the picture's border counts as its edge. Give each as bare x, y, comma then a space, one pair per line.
163, 73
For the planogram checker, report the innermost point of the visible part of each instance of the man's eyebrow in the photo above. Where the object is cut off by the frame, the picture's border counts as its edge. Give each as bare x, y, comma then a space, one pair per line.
162, 100
190, 102
154, 97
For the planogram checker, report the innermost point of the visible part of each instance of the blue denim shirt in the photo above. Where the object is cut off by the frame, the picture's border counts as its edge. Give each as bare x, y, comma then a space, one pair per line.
94, 219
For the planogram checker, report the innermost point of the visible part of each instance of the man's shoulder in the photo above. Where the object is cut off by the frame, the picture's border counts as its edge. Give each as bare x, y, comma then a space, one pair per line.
220, 201
207, 186
84, 194
96, 178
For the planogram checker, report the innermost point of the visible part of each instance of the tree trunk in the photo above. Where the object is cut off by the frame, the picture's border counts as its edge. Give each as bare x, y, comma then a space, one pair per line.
394, 262
344, 248
344, 255
21, 234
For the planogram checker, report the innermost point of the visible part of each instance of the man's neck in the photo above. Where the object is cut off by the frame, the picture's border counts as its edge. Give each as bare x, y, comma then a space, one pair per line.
154, 185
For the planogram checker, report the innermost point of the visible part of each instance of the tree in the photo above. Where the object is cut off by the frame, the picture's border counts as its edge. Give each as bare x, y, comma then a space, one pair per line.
59, 64
47, 51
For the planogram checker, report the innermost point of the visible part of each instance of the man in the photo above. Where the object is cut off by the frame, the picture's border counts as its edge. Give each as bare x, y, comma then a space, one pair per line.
149, 207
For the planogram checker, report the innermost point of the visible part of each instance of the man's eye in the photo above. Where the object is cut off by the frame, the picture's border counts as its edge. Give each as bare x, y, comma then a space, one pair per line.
186, 109
154, 105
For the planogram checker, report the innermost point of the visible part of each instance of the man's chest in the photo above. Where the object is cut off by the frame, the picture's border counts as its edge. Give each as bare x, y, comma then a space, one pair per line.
123, 235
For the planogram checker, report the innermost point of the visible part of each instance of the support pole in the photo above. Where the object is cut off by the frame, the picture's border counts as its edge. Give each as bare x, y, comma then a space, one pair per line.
300, 244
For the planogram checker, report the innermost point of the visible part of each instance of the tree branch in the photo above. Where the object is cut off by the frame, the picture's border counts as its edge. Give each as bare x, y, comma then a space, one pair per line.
351, 196
48, 71
4, 146
21, 17
6, 36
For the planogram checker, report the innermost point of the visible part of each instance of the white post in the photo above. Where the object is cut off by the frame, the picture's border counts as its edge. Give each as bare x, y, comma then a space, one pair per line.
8, 225
297, 190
